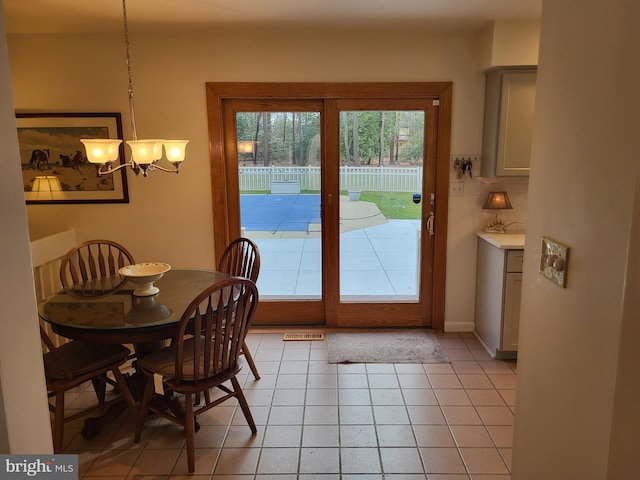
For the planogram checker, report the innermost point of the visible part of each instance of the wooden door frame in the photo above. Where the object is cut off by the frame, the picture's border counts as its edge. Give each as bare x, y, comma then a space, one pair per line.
439, 92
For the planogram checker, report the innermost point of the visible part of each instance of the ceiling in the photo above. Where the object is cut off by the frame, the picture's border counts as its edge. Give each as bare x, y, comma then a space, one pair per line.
85, 16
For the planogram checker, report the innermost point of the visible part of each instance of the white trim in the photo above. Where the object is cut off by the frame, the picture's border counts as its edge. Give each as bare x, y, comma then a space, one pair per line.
47, 249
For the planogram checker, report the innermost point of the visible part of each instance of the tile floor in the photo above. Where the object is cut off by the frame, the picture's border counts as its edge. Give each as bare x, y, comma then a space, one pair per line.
319, 421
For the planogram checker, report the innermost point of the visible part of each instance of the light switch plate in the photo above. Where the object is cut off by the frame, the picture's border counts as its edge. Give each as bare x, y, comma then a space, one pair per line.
554, 260
456, 189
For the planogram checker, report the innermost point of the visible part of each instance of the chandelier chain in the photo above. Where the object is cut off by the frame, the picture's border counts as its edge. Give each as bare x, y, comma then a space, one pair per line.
132, 114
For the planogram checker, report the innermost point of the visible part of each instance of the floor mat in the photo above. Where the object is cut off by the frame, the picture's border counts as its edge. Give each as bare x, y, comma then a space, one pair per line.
385, 346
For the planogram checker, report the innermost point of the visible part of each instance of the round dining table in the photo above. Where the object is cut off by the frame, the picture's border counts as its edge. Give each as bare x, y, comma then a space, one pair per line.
107, 311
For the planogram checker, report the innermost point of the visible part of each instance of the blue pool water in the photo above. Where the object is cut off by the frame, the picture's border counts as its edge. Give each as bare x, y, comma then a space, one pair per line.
276, 213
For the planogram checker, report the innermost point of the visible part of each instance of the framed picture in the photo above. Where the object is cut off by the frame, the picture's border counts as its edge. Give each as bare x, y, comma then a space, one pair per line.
54, 164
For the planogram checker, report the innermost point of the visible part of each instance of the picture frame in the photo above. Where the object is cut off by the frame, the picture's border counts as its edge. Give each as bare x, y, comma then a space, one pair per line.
54, 165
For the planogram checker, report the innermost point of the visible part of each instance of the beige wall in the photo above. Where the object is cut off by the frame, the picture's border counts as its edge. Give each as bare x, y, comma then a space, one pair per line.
24, 416
577, 408
169, 217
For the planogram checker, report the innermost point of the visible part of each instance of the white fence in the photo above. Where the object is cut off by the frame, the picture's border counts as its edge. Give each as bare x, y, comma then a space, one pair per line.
377, 179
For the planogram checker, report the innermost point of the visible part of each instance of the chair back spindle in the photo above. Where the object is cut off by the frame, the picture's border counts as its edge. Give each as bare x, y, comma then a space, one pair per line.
95, 262
218, 320
241, 258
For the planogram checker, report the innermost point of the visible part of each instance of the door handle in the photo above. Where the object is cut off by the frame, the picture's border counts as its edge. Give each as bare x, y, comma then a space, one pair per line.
430, 222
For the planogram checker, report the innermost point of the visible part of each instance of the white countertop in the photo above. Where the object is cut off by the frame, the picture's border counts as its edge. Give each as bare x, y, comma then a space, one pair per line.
507, 241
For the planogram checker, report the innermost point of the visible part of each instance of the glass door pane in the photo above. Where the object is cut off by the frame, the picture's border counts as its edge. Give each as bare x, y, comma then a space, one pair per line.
279, 183
381, 168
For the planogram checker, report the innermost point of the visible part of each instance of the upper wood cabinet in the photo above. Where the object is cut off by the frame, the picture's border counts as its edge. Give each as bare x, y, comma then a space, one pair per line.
508, 119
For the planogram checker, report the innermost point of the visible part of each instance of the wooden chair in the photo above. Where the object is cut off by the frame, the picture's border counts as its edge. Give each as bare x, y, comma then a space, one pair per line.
241, 258
74, 363
95, 264
204, 354
92, 266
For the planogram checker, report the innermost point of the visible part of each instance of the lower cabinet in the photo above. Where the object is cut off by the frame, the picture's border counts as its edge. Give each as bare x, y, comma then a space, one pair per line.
498, 294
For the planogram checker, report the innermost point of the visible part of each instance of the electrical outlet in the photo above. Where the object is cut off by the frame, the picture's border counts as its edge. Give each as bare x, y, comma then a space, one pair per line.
456, 189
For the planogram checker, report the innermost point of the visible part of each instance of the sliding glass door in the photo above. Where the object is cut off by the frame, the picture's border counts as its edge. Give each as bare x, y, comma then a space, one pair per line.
279, 175
381, 177
340, 193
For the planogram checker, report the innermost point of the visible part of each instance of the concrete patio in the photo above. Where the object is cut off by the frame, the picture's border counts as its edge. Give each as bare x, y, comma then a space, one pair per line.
378, 260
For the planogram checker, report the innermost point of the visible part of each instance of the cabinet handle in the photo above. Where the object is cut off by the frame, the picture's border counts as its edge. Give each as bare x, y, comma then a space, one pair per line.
430, 221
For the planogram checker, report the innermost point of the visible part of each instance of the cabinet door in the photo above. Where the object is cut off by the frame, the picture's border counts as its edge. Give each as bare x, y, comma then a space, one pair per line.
517, 103
511, 313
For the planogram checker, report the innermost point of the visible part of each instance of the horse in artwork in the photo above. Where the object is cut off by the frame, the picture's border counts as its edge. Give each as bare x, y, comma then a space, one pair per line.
77, 159
73, 160
40, 159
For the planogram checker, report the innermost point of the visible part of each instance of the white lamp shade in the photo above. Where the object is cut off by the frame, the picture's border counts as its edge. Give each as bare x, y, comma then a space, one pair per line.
114, 150
44, 187
101, 150
175, 150
143, 150
157, 148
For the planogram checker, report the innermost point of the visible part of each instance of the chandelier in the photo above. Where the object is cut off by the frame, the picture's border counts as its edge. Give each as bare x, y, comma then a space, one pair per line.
145, 154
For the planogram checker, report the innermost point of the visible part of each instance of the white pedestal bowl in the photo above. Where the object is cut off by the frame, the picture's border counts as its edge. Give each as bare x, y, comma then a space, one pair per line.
144, 275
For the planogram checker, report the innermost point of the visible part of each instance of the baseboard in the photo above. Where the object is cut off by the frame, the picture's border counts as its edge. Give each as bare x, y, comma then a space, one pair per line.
459, 326
506, 355
484, 345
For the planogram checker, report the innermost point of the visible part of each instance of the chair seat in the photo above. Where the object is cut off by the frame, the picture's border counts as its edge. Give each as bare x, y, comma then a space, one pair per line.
163, 362
83, 358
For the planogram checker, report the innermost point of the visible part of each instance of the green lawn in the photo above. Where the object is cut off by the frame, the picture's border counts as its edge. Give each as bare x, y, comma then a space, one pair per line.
393, 205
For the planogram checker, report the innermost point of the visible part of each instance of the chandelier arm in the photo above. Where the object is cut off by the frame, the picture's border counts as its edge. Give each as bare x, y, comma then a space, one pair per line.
155, 166
114, 169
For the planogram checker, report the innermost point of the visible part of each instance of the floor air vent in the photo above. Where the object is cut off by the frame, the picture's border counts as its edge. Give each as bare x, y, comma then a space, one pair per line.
289, 337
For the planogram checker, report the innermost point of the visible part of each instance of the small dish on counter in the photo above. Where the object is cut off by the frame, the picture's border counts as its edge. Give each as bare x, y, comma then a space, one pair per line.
144, 275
